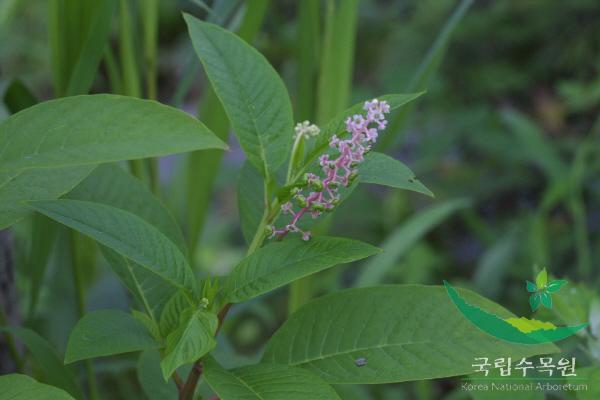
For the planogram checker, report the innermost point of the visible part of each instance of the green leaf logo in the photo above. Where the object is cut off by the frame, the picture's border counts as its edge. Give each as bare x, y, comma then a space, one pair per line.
541, 291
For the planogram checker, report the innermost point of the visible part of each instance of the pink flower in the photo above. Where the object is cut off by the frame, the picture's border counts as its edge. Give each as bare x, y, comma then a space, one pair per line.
317, 195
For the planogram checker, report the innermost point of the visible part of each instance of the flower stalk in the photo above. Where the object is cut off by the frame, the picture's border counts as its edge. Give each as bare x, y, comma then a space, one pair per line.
315, 194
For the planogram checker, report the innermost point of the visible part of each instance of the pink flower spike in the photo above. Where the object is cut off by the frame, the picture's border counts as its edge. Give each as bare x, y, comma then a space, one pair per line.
317, 194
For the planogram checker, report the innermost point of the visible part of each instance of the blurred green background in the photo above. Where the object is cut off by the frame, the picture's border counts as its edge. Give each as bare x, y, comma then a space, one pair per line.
507, 137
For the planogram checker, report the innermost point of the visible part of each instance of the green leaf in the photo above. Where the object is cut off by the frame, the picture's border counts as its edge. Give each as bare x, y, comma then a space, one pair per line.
399, 330
531, 287
84, 131
266, 382
251, 200
44, 232
18, 97
150, 290
337, 125
253, 95
94, 45
203, 166
555, 286
171, 313
400, 241
534, 301
382, 169
127, 234
17, 188
541, 279
591, 376
22, 387
93, 129
191, 340
105, 333
546, 299
111, 185
280, 263
46, 359
151, 380
149, 323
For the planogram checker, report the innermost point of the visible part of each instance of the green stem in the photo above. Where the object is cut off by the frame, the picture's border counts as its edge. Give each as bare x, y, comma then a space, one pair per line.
129, 67
80, 304
149, 9
137, 169
300, 293
295, 158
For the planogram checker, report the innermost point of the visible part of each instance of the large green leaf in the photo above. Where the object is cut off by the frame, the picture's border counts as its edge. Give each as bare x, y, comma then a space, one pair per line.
46, 359
382, 169
251, 200
191, 340
266, 382
127, 234
16, 188
253, 95
337, 125
283, 262
84, 131
105, 333
22, 387
403, 239
387, 334
93, 129
150, 290
111, 185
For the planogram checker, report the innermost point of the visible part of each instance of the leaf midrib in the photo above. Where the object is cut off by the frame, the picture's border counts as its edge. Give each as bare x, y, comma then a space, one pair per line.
174, 283
284, 265
243, 96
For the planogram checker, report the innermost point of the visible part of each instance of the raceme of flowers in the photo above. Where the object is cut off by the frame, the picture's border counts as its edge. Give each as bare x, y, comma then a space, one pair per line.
318, 194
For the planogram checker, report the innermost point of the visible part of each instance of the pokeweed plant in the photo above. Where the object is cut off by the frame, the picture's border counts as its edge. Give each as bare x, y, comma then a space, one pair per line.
58, 159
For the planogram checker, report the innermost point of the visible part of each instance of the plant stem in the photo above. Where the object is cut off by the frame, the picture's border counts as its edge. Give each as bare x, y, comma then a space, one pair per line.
271, 212
189, 388
80, 303
149, 13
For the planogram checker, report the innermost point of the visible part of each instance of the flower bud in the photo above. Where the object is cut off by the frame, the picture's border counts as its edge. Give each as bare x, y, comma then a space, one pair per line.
269, 230
352, 177
301, 200
317, 186
317, 206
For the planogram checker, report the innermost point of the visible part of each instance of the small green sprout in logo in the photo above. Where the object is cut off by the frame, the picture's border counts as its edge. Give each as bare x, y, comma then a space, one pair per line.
541, 291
